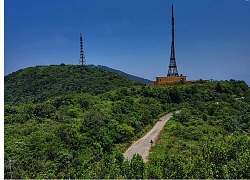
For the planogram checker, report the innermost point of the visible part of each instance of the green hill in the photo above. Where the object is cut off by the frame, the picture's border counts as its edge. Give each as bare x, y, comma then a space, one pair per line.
42, 82
129, 76
83, 136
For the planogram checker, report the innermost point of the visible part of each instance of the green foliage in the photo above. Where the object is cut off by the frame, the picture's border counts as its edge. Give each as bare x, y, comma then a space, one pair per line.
80, 135
207, 139
40, 83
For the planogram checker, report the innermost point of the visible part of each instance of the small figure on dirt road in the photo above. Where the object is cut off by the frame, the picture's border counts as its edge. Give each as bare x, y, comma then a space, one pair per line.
151, 141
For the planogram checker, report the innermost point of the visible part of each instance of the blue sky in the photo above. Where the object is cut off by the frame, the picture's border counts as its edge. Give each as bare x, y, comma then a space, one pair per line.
212, 37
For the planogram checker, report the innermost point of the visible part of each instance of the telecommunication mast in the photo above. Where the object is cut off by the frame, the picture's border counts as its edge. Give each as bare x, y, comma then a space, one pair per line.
82, 60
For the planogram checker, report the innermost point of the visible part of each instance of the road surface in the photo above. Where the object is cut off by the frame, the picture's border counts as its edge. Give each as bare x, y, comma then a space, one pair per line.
143, 145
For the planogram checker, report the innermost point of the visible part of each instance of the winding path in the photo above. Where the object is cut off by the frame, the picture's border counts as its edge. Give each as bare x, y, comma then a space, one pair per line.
143, 145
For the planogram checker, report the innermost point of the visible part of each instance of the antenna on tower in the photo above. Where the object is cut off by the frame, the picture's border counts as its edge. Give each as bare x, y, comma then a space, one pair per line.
172, 68
82, 56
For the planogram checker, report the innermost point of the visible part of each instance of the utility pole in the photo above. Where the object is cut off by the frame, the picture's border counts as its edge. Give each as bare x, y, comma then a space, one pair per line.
11, 161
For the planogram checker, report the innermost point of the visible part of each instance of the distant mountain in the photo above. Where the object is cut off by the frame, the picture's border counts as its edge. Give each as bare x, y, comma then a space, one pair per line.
129, 76
42, 82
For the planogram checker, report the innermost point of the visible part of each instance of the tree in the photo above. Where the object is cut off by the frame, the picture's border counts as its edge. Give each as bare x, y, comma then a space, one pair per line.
137, 167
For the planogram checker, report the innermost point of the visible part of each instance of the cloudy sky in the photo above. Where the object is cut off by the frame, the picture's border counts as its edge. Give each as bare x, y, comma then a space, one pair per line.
212, 37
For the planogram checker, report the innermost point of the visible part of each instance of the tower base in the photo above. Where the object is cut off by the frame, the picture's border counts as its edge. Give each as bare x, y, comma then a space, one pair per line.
175, 80
170, 80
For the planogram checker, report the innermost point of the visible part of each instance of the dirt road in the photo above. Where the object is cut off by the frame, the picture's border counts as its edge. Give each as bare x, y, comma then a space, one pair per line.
143, 145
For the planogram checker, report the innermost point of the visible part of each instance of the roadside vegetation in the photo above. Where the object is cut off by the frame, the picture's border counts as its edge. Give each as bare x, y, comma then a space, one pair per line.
84, 135
205, 140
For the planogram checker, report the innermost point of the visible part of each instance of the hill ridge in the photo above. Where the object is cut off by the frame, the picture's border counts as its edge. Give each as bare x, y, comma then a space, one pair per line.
42, 82
129, 76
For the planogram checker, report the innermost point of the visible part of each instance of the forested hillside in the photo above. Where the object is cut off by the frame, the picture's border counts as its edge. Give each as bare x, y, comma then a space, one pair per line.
129, 76
82, 135
42, 82
209, 138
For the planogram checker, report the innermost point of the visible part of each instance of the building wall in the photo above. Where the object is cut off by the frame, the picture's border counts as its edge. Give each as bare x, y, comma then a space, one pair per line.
170, 80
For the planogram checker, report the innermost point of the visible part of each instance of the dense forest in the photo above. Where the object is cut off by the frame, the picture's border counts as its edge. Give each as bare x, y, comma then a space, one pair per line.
42, 82
84, 134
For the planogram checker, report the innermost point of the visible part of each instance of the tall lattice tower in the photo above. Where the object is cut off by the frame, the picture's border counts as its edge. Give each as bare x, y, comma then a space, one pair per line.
172, 68
82, 60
